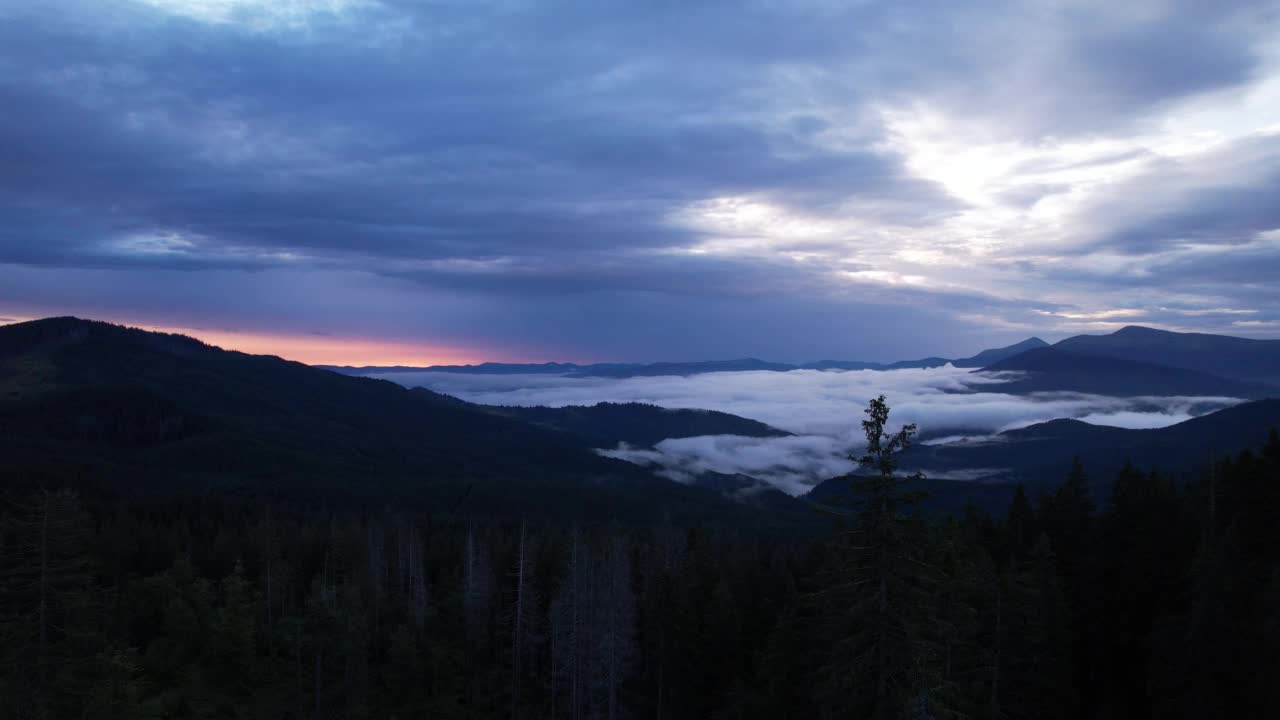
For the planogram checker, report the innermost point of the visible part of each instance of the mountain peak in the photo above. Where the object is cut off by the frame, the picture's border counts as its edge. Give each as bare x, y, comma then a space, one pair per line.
994, 355
24, 336
1248, 359
1140, 330
57, 332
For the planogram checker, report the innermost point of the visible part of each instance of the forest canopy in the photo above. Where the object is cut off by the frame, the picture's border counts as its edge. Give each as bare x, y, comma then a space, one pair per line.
1144, 603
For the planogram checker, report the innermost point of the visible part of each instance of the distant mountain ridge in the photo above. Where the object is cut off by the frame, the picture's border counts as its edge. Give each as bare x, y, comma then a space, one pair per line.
1135, 360
606, 424
626, 370
988, 357
1043, 452
1236, 358
1040, 455
1132, 361
1052, 369
127, 410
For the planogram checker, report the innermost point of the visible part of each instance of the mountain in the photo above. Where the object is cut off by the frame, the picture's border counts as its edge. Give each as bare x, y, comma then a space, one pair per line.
995, 355
680, 368
1052, 369
985, 357
606, 424
488, 368
126, 411
1040, 456
1229, 357
746, 489
929, 362
1043, 452
627, 370
842, 365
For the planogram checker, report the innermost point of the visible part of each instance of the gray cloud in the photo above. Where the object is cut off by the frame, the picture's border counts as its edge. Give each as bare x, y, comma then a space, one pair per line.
1226, 197
529, 167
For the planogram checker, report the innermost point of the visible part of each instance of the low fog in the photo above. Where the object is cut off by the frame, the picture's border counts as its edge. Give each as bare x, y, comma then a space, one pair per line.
822, 408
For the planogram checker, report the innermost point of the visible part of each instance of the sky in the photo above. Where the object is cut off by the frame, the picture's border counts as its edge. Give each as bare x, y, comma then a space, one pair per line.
820, 408
442, 181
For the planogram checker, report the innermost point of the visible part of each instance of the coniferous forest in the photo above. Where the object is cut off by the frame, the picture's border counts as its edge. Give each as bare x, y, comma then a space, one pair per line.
1157, 601
639, 360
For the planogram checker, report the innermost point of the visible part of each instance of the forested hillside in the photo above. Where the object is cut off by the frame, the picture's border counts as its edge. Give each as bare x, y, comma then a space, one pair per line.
121, 411
1160, 602
607, 424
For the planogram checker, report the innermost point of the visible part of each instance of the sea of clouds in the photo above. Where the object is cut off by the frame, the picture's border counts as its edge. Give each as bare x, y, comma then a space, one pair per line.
822, 408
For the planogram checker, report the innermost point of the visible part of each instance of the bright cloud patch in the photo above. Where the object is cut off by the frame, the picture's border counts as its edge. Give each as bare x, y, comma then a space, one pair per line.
260, 14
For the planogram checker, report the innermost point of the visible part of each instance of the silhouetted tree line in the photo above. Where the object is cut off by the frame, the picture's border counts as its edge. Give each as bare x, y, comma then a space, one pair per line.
1161, 601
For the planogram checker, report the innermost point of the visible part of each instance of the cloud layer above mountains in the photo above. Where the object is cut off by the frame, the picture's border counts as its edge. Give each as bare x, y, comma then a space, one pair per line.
823, 409
644, 181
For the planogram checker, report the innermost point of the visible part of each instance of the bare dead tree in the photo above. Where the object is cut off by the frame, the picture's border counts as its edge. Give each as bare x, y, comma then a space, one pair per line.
417, 582
477, 587
517, 625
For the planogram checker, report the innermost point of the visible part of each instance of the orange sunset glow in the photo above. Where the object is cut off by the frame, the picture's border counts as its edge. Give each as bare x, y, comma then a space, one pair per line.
329, 350
319, 349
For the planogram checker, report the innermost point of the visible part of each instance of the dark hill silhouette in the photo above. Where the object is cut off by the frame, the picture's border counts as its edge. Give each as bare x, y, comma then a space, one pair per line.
680, 368
488, 368
125, 410
1043, 452
626, 370
607, 424
1230, 357
1040, 455
1051, 369
995, 355
986, 357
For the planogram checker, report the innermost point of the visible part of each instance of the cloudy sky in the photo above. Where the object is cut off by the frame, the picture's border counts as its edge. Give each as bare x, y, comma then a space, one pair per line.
375, 181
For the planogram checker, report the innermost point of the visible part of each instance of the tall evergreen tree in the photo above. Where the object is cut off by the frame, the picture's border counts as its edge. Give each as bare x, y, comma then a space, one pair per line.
44, 573
882, 665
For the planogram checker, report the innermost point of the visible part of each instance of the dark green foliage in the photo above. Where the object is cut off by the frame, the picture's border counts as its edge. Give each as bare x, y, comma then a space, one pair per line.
1160, 601
606, 424
1041, 455
883, 659
124, 412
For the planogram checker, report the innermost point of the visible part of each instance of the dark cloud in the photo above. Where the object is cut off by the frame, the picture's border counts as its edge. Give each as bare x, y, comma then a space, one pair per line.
530, 166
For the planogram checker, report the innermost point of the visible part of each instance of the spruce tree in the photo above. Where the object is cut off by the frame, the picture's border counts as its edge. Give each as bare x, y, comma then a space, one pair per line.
882, 663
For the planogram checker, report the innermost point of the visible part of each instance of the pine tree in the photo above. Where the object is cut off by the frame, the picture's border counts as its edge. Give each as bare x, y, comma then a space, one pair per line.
1034, 662
44, 572
519, 611
404, 671
882, 599
568, 617
477, 588
615, 631
1067, 517
231, 641
1021, 527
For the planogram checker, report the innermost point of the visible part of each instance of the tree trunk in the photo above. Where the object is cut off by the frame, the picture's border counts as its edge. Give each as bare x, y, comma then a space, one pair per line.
318, 714
515, 631
271, 639
297, 670
43, 656
575, 576
995, 673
